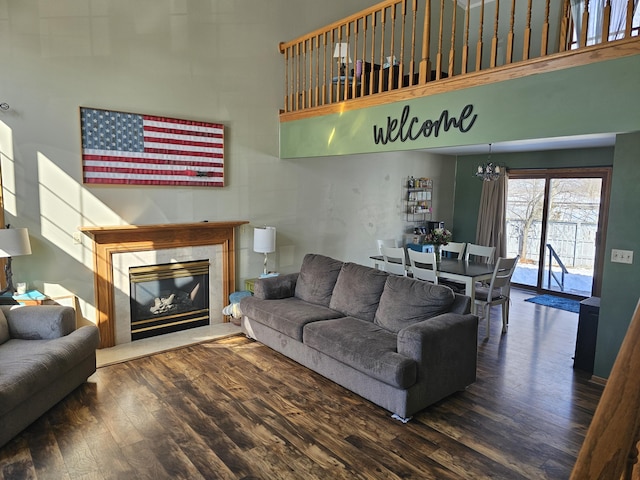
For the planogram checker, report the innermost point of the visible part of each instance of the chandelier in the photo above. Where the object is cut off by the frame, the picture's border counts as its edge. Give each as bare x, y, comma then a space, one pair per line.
489, 171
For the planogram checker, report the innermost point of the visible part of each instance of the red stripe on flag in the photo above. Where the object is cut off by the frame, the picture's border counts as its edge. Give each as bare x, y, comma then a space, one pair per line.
129, 181
178, 141
153, 161
182, 122
183, 152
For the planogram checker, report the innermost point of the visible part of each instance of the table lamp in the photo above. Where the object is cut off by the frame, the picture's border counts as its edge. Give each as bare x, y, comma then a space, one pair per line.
341, 52
13, 242
264, 241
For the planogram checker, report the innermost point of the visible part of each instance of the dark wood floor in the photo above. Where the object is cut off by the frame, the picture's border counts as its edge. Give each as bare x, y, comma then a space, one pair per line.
234, 409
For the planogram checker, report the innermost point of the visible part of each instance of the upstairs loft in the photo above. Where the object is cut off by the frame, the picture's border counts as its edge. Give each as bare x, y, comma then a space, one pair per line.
404, 49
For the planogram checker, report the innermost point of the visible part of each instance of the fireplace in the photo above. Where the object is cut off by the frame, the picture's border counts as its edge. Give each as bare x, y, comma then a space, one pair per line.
168, 298
111, 242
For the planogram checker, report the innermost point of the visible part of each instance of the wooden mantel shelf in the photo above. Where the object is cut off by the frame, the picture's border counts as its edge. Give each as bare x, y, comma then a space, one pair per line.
110, 240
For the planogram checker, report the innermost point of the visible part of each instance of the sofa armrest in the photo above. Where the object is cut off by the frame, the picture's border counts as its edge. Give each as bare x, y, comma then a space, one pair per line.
461, 304
39, 322
443, 346
273, 288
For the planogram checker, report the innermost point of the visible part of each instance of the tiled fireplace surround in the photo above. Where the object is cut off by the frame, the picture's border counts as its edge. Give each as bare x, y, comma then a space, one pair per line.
118, 247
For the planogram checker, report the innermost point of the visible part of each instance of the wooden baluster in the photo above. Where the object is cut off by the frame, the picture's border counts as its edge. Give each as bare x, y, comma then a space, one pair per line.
392, 53
316, 92
509, 56
606, 21
425, 62
629, 19
383, 26
297, 77
465, 47
564, 27
440, 35
301, 73
412, 61
364, 54
403, 14
585, 25
452, 51
334, 86
356, 31
285, 51
345, 80
494, 39
526, 48
309, 76
374, 20
324, 69
479, 44
544, 42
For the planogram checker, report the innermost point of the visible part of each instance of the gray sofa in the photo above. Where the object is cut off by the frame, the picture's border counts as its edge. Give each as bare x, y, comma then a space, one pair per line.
401, 343
43, 357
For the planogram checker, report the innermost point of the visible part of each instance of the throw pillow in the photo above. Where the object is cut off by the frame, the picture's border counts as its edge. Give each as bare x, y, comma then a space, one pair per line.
357, 291
4, 328
317, 278
405, 301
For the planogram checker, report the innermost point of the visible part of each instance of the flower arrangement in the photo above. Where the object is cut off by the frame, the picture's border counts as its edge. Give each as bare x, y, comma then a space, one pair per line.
438, 236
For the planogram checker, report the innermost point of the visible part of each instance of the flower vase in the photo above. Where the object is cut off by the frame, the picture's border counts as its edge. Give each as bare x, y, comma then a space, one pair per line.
436, 250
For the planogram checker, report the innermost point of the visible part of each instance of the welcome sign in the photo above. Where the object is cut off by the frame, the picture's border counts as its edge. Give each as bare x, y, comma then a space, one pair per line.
407, 128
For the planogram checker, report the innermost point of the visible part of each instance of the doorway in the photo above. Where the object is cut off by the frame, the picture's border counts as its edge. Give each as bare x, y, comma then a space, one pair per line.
555, 222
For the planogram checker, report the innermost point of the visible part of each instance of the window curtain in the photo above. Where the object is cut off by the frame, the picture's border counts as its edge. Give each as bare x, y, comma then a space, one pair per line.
492, 216
596, 16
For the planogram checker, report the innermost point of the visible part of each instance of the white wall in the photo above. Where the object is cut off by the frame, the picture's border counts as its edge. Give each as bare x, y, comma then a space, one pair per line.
209, 60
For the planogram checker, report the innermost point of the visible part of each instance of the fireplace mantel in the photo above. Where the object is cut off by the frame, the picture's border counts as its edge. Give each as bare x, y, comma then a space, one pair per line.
108, 241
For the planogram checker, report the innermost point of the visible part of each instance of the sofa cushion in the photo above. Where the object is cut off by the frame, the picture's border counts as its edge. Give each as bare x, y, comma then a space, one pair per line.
357, 291
405, 301
4, 328
363, 346
287, 315
317, 278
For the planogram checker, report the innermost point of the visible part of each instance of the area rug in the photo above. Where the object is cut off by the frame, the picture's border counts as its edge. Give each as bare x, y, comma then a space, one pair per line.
556, 302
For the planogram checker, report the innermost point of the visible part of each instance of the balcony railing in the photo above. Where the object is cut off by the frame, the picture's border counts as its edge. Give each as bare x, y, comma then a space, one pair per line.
400, 44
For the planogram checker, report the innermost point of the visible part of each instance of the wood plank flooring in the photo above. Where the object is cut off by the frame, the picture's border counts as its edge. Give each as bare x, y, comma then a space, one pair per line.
234, 409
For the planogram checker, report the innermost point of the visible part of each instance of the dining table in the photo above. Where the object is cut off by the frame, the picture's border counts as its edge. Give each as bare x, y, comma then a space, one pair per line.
463, 271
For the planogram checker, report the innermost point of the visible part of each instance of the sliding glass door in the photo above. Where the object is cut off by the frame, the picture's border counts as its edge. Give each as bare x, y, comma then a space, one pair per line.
554, 222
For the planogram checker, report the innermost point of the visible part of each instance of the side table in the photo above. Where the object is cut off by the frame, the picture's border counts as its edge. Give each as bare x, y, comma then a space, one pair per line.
248, 284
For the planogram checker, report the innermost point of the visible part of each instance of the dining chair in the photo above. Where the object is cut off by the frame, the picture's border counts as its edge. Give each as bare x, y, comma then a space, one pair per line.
456, 249
498, 292
419, 262
386, 242
395, 260
480, 253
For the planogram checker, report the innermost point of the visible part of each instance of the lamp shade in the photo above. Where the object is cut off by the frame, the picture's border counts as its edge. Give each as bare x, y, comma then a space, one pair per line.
264, 240
14, 242
341, 51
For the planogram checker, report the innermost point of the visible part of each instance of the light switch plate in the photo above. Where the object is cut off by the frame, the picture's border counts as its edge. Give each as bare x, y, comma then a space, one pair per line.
621, 256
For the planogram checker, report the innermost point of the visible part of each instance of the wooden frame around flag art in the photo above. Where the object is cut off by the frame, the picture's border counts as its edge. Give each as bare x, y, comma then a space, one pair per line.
120, 148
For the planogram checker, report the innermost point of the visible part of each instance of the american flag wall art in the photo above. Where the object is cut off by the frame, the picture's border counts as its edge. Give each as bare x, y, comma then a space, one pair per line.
121, 148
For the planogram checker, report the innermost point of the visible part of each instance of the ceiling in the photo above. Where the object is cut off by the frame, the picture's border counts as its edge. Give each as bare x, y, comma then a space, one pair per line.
533, 145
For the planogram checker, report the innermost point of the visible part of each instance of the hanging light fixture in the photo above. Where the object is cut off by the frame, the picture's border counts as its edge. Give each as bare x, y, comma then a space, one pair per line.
489, 171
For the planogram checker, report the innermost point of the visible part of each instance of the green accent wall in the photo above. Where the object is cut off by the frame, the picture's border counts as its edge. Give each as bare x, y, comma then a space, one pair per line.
596, 98
621, 282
